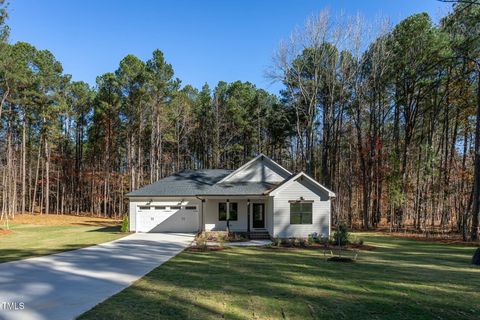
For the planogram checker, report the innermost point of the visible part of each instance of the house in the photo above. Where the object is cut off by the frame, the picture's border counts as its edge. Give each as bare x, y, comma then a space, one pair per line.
261, 197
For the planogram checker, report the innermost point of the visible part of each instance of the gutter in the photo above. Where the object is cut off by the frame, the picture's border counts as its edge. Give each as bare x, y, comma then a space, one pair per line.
231, 195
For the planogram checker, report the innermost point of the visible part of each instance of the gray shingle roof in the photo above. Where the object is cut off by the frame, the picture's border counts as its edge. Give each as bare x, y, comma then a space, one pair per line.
238, 188
200, 182
184, 183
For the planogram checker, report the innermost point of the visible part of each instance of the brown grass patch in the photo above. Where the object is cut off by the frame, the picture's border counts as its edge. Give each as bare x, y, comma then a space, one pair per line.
62, 220
438, 239
4, 232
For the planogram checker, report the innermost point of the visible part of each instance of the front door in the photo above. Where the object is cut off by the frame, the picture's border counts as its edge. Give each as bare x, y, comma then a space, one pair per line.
258, 215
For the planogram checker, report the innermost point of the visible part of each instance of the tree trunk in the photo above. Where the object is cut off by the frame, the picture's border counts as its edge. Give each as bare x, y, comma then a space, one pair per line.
476, 188
47, 177
24, 168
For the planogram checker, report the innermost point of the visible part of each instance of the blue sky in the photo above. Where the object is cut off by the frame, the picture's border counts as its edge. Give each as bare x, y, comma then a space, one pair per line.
205, 41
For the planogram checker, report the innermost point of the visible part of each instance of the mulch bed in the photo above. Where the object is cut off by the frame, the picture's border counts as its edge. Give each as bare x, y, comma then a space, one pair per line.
350, 247
63, 220
340, 259
214, 236
203, 249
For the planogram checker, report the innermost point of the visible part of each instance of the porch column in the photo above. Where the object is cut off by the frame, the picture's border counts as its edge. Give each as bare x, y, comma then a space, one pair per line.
203, 216
228, 215
248, 215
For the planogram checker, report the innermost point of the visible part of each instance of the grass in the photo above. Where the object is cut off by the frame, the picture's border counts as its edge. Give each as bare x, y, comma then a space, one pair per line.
400, 279
33, 236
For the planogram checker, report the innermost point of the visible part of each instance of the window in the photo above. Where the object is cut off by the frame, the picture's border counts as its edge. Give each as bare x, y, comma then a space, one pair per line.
301, 213
233, 213
175, 207
160, 208
222, 211
191, 208
144, 208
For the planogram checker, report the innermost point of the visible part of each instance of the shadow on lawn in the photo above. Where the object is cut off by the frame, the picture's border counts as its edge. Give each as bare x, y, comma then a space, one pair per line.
110, 229
412, 281
95, 223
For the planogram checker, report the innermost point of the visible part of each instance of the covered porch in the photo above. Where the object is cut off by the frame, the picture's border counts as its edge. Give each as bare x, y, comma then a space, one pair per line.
243, 214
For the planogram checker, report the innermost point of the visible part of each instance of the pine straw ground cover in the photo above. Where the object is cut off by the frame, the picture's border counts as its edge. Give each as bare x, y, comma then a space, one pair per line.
62, 220
400, 279
37, 235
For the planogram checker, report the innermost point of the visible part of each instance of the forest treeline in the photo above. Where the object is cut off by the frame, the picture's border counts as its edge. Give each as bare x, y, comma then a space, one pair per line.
385, 118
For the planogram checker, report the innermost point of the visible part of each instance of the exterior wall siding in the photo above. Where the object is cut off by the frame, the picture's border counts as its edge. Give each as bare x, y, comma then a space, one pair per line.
270, 216
320, 211
211, 216
259, 171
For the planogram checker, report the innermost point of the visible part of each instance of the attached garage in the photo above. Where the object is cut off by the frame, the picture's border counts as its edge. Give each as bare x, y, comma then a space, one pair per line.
166, 217
172, 204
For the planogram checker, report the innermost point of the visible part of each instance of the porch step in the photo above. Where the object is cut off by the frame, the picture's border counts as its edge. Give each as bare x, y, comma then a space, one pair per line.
258, 235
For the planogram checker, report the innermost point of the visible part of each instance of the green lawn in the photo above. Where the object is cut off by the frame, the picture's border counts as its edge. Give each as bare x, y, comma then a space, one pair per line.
28, 240
401, 279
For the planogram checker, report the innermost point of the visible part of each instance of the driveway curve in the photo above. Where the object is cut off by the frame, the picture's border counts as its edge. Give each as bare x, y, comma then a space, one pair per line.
64, 285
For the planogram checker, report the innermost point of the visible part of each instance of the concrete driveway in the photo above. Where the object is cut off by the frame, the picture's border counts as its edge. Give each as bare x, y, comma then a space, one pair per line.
64, 285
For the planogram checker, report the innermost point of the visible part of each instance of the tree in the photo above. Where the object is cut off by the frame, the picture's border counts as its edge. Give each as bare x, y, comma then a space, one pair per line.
463, 25
161, 86
132, 78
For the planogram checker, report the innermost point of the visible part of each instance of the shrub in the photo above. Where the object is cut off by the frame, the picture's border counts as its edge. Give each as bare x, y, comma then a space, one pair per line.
356, 241
341, 235
276, 241
125, 227
302, 242
221, 239
236, 237
215, 235
294, 242
323, 240
201, 241
310, 240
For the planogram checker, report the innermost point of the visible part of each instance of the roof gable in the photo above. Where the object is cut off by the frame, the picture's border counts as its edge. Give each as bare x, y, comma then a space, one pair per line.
259, 169
298, 176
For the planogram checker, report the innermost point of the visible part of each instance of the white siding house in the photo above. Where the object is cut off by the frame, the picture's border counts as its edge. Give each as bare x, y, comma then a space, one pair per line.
259, 197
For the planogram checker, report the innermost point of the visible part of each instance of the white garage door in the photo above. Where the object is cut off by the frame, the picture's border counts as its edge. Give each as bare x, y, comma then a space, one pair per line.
167, 218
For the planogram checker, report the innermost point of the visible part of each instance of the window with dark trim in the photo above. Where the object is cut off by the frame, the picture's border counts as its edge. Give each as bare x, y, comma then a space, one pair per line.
144, 208
191, 208
222, 211
301, 213
175, 207
233, 212
160, 208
